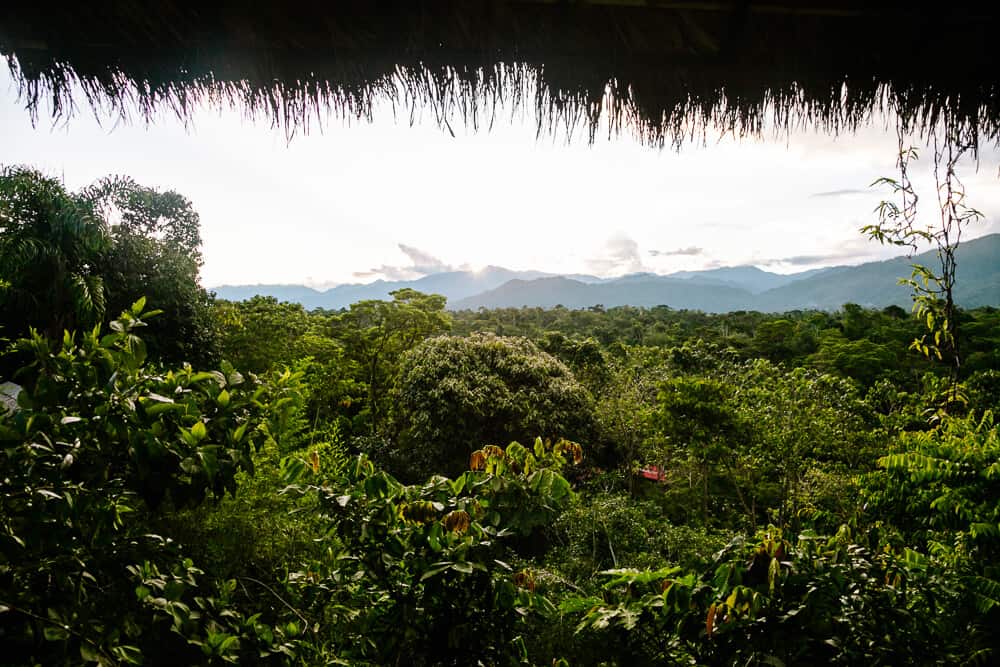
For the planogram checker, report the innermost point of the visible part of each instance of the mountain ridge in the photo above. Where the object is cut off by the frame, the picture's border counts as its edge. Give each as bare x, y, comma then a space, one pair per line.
723, 289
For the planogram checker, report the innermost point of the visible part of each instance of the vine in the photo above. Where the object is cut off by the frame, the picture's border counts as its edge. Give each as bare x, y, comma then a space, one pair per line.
932, 288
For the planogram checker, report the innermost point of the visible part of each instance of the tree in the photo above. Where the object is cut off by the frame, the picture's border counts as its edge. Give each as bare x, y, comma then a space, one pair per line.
51, 242
416, 574
861, 359
782, 340
801, 423
456, 394
582, 355
261, 333
938, 491
702, 430
67, 258
156, 253
756, 438
376, 333
624, 412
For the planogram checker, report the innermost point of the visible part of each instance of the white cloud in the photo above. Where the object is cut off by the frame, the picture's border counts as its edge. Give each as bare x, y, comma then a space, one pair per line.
690, 251
846, 192
619, 255
421, 264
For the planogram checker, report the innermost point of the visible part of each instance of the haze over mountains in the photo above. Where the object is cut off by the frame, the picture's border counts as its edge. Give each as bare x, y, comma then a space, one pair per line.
716, 290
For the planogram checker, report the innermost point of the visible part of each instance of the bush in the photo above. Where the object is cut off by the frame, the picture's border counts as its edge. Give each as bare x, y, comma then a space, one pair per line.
614, 530
420, 574
773, 601
101, 443
456, 394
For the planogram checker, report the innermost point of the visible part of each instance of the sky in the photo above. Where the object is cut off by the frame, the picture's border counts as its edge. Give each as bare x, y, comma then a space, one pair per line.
355, 202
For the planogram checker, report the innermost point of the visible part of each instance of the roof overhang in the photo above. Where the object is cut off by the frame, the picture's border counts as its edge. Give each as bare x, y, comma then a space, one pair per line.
662, 70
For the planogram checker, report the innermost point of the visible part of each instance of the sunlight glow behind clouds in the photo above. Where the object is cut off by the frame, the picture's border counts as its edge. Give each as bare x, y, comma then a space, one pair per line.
363, 201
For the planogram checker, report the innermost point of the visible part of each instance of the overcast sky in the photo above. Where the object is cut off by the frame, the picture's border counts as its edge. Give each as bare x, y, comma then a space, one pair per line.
359, 202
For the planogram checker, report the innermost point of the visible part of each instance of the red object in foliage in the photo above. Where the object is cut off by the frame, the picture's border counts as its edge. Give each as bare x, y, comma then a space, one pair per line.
654, 473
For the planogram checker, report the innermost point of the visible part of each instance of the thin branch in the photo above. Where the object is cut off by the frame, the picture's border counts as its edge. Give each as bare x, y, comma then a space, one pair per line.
283, 601
69, 630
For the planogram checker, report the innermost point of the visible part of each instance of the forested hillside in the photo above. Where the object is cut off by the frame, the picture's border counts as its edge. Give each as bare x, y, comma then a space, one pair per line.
189, 480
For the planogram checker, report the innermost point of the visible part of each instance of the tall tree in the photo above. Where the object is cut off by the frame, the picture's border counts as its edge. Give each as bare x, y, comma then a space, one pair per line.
376, 334
454, 395
262, 332
156, 253
51, 243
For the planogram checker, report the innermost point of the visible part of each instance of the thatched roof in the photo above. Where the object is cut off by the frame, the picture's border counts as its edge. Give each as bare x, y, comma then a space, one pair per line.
663, 70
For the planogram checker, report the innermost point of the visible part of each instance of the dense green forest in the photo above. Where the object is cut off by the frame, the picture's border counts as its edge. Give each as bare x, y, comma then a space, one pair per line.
185, 480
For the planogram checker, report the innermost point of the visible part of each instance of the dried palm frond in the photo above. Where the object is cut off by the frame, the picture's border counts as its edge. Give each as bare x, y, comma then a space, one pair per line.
663, 71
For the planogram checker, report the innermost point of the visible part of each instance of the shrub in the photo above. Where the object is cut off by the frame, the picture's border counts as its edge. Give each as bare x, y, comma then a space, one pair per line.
456, 394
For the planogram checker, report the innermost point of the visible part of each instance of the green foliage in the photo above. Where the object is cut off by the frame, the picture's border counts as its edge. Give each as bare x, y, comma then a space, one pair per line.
155, 251
261, 333
862, 344
800, 421
770, 601
624, 415
945, 477
983, 389
257, 533
938, 490
121, 469
415, 573
583, 356
861, 359
933, 299
376, 334
99, 441
783, 340
50, 245
261, 531
701, 429
743, 444
143, 212
614, 530
454, 393
68, 258
213, 628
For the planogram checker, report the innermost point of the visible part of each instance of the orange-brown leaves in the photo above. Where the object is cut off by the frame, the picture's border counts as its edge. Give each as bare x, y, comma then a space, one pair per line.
419, 511
482, 458
525, 579
457, 521
492, 451
571, 449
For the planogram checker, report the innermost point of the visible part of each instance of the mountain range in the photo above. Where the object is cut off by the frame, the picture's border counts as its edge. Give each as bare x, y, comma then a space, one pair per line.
874, 284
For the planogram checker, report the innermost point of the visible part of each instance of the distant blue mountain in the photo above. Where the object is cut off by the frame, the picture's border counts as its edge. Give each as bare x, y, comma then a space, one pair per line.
874, 284
749, 278
637, 290
307, 296
716, 290
455, 285
460, 285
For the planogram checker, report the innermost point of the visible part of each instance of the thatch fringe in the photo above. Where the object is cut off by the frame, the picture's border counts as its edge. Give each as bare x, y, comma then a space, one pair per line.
665, 73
